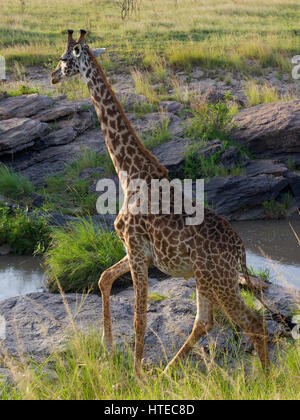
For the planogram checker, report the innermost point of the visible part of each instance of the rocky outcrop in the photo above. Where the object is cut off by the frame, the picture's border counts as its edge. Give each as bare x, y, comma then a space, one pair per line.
241, 197
17, 134
23, 106
39, 323
269, 130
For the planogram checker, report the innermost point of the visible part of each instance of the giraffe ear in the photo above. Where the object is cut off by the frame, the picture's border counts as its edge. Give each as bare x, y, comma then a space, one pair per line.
77, 50
98, 51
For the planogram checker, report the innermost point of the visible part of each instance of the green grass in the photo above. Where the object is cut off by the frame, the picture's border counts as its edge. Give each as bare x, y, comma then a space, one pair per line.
26, 234
143, 85
197, 166
257, 94
141, 109
156, 297
210, 121
79, 254
96, 375
12, 185
159, 135
68, 190
240, 35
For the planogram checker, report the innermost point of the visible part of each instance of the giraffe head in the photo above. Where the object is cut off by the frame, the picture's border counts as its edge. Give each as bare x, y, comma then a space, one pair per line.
74, 57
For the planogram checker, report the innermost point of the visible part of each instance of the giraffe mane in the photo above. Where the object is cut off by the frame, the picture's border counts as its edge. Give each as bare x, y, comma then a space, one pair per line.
141, 146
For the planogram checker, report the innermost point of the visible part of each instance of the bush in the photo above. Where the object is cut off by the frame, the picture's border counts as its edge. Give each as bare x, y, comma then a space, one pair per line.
25, 234
13, 185
79, 254
210, 121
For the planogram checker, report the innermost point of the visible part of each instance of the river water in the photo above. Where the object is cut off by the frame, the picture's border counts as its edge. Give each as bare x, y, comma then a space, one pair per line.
269, 245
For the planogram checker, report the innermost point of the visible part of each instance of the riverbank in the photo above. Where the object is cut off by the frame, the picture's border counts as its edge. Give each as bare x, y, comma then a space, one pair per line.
61, 335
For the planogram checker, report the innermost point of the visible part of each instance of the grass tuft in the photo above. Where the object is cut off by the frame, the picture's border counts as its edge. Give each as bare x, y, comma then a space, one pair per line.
78, 254
13, 185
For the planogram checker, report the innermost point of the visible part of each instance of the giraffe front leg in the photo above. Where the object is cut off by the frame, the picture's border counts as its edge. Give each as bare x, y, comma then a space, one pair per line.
139, 272
105, 284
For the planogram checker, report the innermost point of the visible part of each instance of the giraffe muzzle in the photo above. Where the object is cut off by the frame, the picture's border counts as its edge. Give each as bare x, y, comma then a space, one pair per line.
54, 78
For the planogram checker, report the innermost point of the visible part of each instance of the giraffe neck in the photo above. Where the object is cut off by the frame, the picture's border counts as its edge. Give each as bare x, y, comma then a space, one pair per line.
127, 152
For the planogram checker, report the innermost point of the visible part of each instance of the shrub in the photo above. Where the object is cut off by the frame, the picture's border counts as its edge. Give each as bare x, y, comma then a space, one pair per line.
26, 234
12, 185
210, 121
78, 255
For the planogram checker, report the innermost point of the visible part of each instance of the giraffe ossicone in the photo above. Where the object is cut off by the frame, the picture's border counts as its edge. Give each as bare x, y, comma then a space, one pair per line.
210, 252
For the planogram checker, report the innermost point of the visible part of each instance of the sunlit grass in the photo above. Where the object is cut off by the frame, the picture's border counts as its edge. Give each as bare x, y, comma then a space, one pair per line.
262, 94
238, 35
96, 375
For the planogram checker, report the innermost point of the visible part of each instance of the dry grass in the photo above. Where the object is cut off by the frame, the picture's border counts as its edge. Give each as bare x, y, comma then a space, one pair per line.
232, 34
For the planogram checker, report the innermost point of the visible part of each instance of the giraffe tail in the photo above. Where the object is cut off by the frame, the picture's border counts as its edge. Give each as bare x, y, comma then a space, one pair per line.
286, 321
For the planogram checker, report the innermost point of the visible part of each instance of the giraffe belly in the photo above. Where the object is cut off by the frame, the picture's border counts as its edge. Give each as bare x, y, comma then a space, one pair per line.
176, 265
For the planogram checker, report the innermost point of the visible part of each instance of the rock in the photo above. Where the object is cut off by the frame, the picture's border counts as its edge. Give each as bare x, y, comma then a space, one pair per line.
17, 134
152, 121
129, 100
23, 106
60, 110
39, 164
197, 73
235, 196
290, 159
232, 157
229, 158
172, 106
214, 96
171, 154
268, 130
56, 138
294, 183
257, 167
210, 148
37, 199
92, 173
5, 250
39, 323
81, 122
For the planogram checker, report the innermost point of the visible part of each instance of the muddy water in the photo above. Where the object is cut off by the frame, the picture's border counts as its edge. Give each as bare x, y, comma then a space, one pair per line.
272, 245
20, 275
269, 245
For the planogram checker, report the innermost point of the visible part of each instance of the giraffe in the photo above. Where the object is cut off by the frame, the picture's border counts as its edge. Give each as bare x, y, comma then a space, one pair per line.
210, 252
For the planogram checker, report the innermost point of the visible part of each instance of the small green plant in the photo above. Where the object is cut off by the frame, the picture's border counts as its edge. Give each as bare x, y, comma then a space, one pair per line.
69, 191
198, 166
22, 90
78, 255
26, 234
159, 135
278, 209
291, 164
142, 108
210, 121
13, 185
156, 297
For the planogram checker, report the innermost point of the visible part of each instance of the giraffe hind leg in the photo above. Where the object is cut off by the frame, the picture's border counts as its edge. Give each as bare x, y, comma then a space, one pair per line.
239, 313
203, 323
